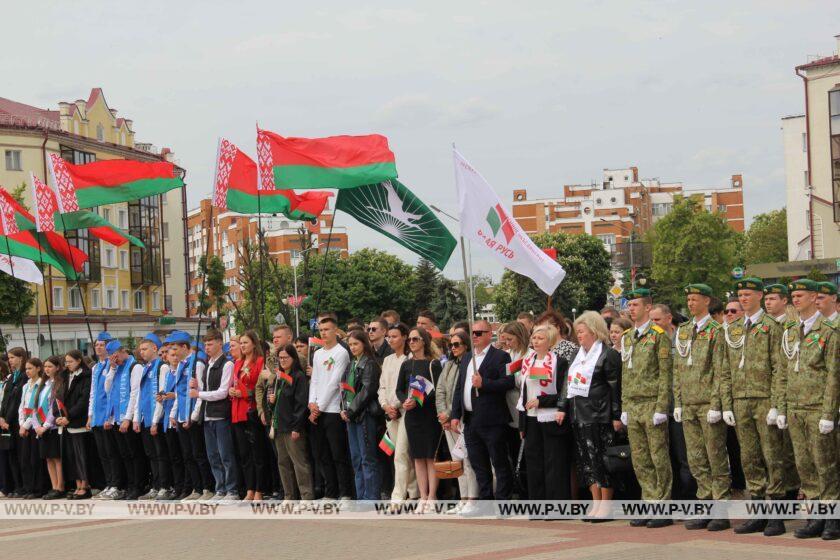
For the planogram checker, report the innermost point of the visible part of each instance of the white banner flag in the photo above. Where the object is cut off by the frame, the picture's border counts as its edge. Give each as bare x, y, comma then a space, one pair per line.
486, 223
25, 269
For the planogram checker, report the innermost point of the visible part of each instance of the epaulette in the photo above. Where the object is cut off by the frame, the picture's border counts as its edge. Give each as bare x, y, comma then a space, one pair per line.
628, 330
657, 329
790, 324
713, 323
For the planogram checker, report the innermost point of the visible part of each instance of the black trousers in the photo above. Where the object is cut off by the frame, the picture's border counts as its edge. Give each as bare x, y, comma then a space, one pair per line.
130, 450
164, 461
176, 459
487, 450
192, 478
250, 442
15, 480
332, 451
733, 449
77, 449
31, 465
317, 474
684, 487
272, 473
199, 451
158, 458
106, 446
549, 453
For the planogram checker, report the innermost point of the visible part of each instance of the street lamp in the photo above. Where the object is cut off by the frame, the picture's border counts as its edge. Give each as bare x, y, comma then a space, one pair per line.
632, 264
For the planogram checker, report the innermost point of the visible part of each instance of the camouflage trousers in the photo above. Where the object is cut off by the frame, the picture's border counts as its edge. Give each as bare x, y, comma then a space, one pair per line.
649, 449
707, 457
762, 447
790, 478
816, 455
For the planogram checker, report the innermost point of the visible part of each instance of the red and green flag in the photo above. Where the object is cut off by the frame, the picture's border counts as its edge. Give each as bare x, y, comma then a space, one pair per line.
418, 396
109, 181
347, 387
236, 188
514, 367
335, 162
386, 445
316, 342
285, 377
539, 374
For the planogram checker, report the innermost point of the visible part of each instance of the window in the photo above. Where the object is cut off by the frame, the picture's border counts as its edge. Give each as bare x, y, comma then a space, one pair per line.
75, 296
722, 208
165, 229
661, 208
100, 133
122, 216
109, 257
834, 112
167, 303
144, 223
13, 160
608, 239
58, 298
124, 300
95, 299
110, 298
123, 260
155, 301
139, 301
76, 157
167, 268
106, 213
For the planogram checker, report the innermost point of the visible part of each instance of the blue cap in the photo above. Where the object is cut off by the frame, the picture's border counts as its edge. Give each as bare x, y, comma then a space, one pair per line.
226, 347
104, 336
201, 356
153, 338
113, 346
178, 337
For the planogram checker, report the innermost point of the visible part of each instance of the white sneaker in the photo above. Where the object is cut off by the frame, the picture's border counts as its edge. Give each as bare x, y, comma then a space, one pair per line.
150, 495
99, 495
192, 497
206, 496
457, 509
107, 494
231, 498
217, 497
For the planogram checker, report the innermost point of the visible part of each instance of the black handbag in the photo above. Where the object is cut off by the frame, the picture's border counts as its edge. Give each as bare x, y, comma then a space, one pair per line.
617, 459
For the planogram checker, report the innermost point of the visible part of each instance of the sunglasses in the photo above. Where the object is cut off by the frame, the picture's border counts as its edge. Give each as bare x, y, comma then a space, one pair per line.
456, 345
415, 339
372, 329
479, 333
731, 311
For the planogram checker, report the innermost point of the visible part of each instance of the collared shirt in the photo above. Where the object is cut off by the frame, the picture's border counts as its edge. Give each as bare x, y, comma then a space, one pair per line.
753, 319
809, 322
833, 317
224, 385
781, 318
468, 386
642, 329
698, 325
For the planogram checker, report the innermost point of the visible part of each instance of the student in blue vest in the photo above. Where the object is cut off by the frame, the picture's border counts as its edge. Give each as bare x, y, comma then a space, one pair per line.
182, 343
9, 406
98, 413
123, 385
143, 421
194, 426
31, 464
165, 423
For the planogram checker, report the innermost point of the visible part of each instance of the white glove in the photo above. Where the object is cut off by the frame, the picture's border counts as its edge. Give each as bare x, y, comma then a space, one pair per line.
678, 414
826, 426
659, 418
729, 417
713, 416
624, 418
781, 422
771, 417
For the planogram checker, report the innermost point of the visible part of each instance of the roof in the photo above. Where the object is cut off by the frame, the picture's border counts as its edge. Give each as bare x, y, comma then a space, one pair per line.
20, 113
825, 61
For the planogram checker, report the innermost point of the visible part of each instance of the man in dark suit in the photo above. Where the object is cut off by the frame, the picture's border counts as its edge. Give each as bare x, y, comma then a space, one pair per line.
479, 401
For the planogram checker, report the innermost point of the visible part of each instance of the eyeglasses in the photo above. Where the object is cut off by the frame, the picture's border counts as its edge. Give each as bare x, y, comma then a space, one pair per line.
456, 344
479, 333
285, 357
731, 311
372, 329
415, 339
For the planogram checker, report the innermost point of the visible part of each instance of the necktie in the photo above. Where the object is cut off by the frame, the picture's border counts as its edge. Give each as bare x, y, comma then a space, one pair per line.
747, 324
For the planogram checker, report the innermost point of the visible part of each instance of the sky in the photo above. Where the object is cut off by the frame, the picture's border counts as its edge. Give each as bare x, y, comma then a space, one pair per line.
535, 94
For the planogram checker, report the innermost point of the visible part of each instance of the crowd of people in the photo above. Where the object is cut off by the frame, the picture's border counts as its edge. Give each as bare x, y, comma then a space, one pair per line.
534, 408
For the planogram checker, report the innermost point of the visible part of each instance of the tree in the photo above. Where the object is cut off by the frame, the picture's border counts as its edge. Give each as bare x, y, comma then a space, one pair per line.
691, 245
424, 286
588, 278
448, 303
16, 298
766, 240
214, 292
817, 275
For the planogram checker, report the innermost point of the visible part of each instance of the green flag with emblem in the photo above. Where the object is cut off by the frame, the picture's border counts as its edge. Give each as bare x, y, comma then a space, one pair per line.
393, 210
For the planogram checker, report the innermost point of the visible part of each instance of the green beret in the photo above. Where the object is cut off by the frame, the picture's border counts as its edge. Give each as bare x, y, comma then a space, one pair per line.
751, 283
702, 289
804, 284
637, 293
827, 288
776, 289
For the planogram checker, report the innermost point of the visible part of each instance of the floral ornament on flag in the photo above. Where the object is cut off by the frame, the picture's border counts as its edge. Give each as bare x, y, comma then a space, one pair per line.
45, 205
67, 200
265, 163
7, 218
224, 164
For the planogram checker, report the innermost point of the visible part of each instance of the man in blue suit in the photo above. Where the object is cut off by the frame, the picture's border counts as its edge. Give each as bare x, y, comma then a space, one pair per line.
479, 403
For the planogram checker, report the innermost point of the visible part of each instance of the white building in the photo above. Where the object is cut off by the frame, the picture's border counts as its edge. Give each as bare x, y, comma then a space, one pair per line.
795, 142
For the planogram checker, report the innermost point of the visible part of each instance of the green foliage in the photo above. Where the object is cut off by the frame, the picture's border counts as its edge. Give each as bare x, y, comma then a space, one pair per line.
691, 245
449, 303
766, 240
426, 278
817, 276
16, 299
588, 278
214, 293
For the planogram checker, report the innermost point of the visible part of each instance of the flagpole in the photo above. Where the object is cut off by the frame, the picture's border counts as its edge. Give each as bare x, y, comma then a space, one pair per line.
47, 304
20, 307
324, 264
260, 241
204, 277
78, 286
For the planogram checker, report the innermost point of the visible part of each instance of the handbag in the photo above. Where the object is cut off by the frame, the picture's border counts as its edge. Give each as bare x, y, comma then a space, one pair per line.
617, 459
447, 469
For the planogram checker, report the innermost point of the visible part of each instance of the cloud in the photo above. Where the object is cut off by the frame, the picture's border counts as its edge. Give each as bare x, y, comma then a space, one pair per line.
278, 40
419, 110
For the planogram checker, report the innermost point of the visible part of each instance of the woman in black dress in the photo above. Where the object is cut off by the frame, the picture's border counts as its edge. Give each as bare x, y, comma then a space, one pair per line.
46, 413
415, 388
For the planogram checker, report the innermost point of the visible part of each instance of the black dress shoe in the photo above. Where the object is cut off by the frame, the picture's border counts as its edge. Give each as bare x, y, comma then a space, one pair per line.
697, 524
831, 531
639, 523
599, 519
659, 523
812, 528
751, 526
53, 495
718, 525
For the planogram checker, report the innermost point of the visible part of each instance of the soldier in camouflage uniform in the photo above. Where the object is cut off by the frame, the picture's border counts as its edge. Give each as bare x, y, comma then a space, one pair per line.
827, 302
776, 301
699, 398
750, 367
811, 387
645, 394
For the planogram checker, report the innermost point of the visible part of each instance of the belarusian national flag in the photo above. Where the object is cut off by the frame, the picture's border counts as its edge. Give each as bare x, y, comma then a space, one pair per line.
514, 367
235, 188
347, 387
393, 210
45, 204
316, 342
285, 377
335, 162
109, 181
386, 445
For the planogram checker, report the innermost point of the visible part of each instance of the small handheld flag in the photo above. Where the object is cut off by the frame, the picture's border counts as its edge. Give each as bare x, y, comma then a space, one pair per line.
347, 387
514, 367
316, 342
285, 377
418, 396
387, 446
